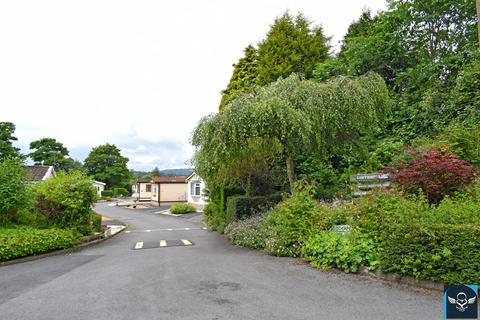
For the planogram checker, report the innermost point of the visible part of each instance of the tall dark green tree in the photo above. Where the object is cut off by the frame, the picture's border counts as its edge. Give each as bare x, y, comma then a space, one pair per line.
155, 172
243, 77
293, 45
50, 152
7, 150
105, 163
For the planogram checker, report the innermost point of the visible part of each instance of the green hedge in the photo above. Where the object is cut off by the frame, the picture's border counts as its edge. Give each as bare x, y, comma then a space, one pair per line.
182, 208
449, 253
96, 221
433, 242
120, 192
243, 207
107, 193
25, 241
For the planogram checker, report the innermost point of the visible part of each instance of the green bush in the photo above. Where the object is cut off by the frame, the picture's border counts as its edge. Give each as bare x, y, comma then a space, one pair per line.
66, 199
250, 233
120, 192
13, 192
96, 221
25, 241
107, 193
214, 217
421, 240
290, 224
182, 208
329, 249
242, 207
450, 253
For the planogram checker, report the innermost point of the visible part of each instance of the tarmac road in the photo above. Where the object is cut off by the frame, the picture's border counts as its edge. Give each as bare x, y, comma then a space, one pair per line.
209, 279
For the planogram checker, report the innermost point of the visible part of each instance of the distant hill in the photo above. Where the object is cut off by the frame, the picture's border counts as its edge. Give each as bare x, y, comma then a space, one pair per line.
165, 173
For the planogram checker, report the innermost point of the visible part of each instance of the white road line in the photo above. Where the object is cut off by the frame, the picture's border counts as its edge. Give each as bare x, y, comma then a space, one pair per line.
186, 242
187, 229
148, 230
169, 229
128, 231
139, 245
163, 243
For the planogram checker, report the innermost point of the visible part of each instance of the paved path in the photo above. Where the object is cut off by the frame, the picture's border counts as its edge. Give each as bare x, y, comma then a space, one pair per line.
209, 279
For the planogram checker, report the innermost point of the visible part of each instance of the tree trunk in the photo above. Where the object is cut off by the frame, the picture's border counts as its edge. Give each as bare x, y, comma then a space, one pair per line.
291, 173
478, 20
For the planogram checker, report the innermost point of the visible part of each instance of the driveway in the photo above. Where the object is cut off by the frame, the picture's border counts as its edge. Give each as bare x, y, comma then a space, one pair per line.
208, 279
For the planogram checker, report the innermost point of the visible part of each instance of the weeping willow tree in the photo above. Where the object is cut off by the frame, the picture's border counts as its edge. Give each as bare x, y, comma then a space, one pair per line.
291, 118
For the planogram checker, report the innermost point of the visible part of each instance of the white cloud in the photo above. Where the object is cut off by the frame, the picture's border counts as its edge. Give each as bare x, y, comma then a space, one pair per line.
92, 72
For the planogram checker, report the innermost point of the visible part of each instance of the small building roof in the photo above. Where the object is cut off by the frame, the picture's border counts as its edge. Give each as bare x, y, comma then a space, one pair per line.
38, 173
180, 179
98, 182
144, 180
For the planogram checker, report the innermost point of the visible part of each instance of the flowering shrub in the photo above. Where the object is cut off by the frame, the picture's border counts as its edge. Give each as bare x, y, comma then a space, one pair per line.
250, 233
435, 172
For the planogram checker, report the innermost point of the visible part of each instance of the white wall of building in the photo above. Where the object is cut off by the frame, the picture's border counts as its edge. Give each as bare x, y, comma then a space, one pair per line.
196, 191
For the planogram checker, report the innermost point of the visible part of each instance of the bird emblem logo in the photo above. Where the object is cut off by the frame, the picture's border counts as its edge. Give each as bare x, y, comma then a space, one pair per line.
462, 301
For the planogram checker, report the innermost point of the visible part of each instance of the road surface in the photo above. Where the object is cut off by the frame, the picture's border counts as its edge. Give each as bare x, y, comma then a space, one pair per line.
209, 279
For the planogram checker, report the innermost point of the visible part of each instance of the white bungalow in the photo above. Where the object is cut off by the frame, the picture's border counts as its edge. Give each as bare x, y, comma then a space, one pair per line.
196, 191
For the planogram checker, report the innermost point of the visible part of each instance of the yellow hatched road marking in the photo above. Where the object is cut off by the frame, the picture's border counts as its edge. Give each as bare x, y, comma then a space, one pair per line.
186, 242
139, 245
163, 243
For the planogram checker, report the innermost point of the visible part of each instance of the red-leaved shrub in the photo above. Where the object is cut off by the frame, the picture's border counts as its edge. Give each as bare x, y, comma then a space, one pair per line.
435, 172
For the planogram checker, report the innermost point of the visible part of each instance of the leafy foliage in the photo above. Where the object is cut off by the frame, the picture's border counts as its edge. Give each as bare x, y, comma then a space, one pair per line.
436, 173
66, 200
244, 76
182, 208
290, 224
292, 45
286, 112
243, 207
417, 239
251, 232
329, 249
106, 164
13, 191
50, 152
23, 241
7, 150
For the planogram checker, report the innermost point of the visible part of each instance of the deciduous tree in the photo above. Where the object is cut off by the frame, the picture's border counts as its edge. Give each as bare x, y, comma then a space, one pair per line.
106, 164
7, 150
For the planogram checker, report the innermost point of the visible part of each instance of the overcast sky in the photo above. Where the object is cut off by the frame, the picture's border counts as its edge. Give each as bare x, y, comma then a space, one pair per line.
139, 74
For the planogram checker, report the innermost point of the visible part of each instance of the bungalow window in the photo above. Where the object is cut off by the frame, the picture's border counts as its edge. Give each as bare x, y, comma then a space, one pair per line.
195, 188
149, 188
154, 189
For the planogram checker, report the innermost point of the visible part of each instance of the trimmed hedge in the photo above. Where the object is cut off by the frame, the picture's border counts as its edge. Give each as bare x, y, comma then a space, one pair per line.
439, 243
25, 241
243, 207
449, 253
107, 193
182, 208
120, 192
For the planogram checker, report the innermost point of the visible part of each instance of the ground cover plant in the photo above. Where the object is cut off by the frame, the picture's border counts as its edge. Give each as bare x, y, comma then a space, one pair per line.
20, 241
182, 208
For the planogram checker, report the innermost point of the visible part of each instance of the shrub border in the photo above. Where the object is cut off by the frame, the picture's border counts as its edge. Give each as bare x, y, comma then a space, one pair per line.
88, 241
